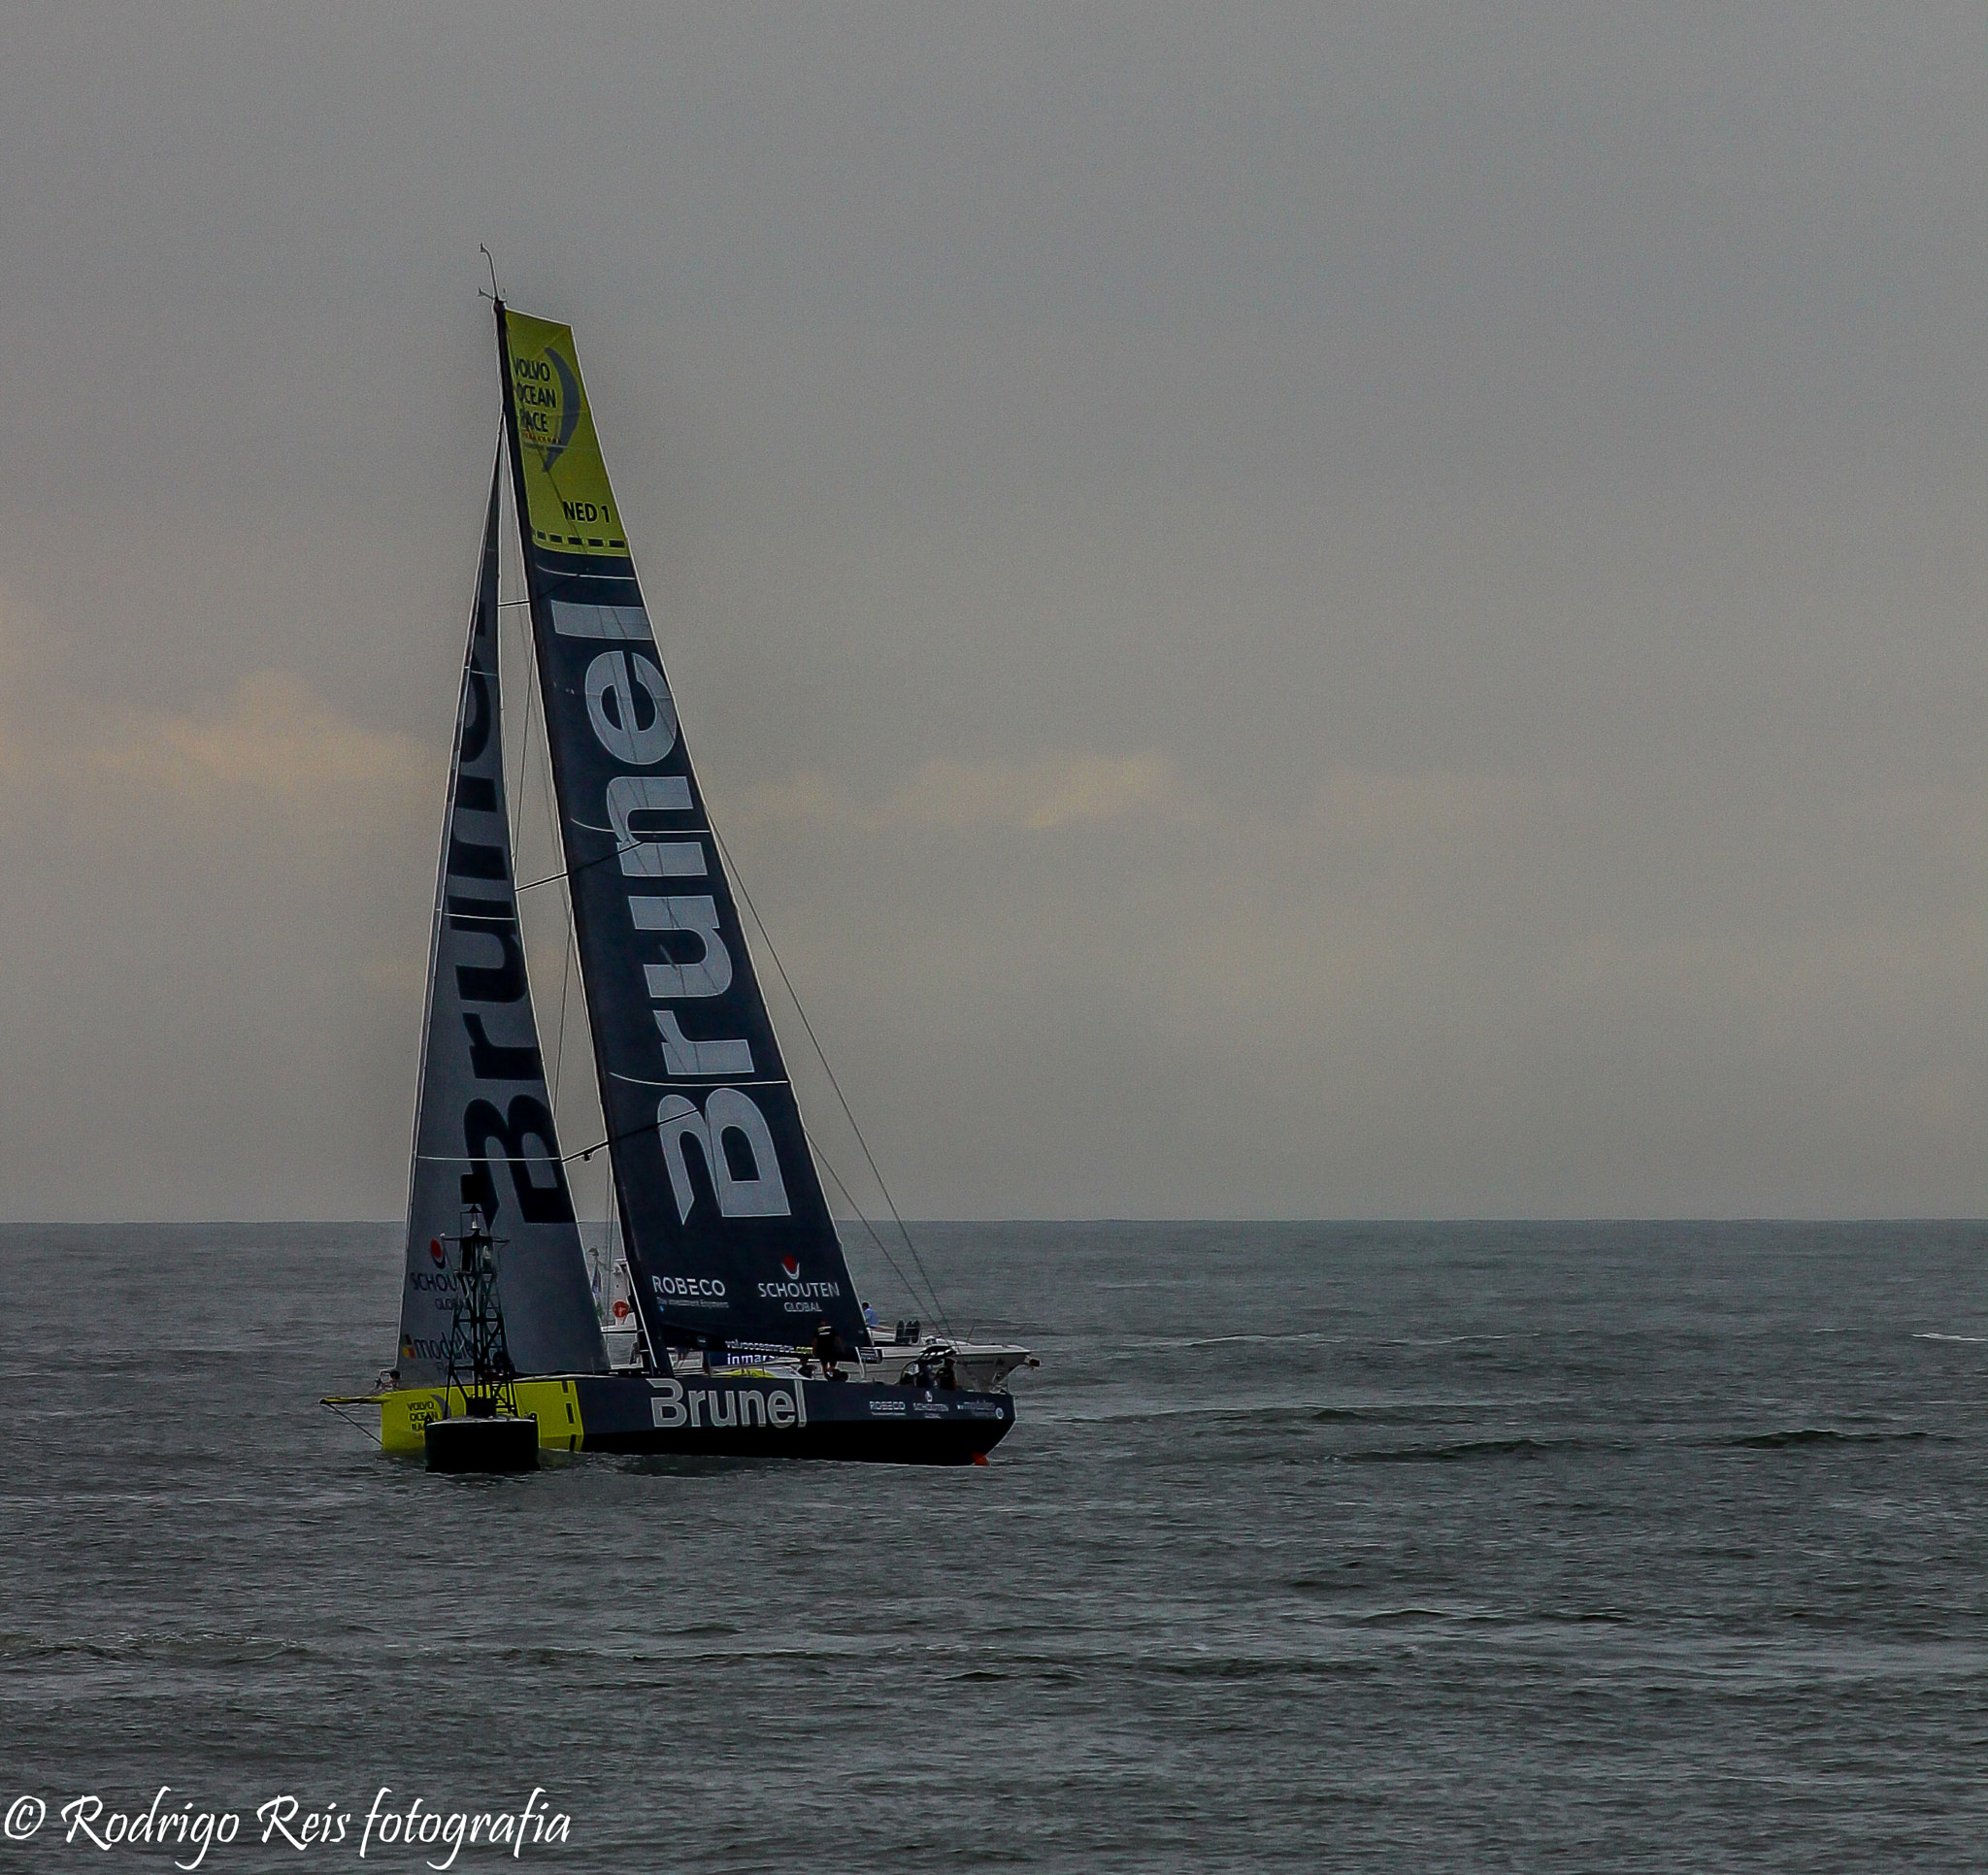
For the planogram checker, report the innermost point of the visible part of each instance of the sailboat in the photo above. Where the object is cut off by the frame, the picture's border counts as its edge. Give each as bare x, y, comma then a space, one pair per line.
748, 1336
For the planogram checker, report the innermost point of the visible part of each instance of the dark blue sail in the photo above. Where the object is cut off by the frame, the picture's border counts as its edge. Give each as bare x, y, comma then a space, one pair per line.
723, 1213
482, 1123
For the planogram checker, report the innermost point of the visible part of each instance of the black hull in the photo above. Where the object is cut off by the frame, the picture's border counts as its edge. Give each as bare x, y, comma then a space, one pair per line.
725, 1416
848, 1421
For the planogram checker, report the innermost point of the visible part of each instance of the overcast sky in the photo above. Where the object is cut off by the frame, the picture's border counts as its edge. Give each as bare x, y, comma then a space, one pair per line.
1325, 612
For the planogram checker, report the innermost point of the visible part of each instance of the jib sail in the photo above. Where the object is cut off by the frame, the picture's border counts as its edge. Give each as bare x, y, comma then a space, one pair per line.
728, 1232
483, 1130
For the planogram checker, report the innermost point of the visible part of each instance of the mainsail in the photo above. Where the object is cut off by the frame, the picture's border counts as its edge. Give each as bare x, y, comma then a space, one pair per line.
483, 1130
723, 1212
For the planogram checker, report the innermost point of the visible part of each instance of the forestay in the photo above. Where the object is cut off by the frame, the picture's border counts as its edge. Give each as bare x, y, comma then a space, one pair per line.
726, 1226
484, 1124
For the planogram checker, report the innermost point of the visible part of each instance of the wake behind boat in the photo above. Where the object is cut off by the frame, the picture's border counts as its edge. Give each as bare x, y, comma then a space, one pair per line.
747, 1335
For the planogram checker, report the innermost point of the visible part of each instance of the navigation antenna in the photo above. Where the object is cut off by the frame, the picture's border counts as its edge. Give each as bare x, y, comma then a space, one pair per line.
479, 1356
491, 1435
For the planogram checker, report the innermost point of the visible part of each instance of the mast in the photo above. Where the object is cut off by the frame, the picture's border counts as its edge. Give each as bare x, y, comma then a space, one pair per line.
484, 1131
724, 1224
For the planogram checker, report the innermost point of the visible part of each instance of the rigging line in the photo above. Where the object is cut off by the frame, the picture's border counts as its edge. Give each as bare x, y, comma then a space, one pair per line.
627, 844
517, 791
724, 852
565, 982
524, 640
567, 949
612, 1139
523, 764
882, 1248
525, 744
350, 1420
527, 651
509, 1158
552, 878
530, 674
435, 916
607, 1240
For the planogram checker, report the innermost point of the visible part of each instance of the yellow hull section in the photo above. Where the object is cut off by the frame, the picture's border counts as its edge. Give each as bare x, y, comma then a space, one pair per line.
404, 1415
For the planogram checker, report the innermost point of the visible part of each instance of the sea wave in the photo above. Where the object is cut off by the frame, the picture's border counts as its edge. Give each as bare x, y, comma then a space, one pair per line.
1470, 1451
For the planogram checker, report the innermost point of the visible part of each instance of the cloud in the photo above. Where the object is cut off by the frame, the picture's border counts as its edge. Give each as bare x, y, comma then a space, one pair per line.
1287, 617
1051, 792
271, 739
1366, 806
215, 934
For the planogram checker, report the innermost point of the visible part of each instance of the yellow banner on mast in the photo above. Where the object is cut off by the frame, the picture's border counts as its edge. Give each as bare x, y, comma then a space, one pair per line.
571, 507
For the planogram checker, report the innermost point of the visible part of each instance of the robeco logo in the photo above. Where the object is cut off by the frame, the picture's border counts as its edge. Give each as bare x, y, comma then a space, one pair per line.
707, 1292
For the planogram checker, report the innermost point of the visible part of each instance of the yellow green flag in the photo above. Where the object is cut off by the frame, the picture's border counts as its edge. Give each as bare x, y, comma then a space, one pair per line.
571, 507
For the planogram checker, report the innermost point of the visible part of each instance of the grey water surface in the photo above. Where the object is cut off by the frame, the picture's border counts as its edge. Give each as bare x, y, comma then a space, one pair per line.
1438, 1547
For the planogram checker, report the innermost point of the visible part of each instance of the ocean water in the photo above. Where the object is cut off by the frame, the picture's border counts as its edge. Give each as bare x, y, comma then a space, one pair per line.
1317, 1546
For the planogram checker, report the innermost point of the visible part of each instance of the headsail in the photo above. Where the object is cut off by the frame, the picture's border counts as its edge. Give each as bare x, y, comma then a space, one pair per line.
727, 1229
484, 1124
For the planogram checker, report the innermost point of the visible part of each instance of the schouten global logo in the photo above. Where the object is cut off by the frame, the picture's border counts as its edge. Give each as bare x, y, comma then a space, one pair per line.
795, 1297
